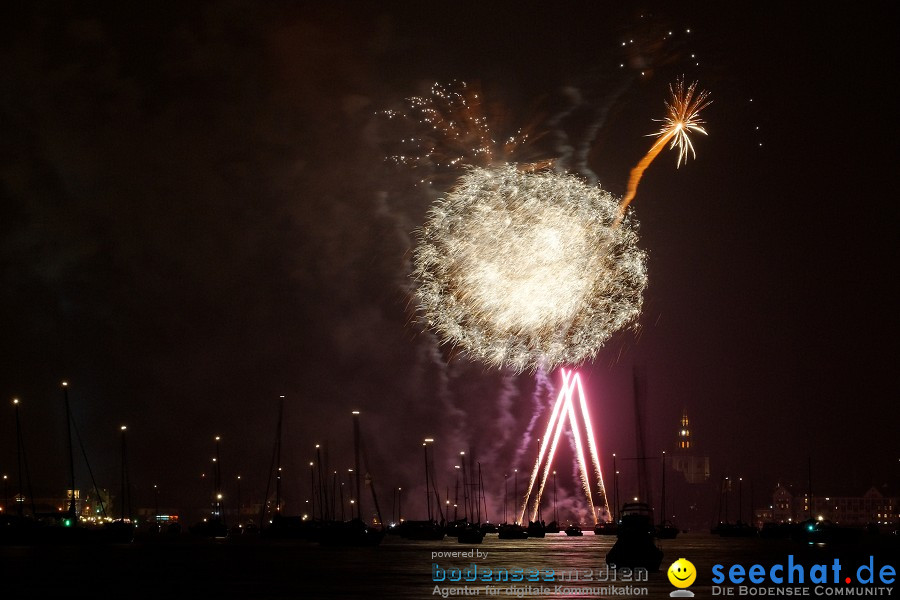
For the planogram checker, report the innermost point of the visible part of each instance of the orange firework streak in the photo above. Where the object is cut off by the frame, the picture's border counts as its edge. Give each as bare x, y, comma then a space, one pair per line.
682, 117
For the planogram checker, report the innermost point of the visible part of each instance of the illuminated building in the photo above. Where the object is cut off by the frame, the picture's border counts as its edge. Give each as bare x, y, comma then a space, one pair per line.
874, 507
79, 505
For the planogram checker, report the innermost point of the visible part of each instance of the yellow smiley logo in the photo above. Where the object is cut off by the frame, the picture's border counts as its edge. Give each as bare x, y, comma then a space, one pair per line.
682, 573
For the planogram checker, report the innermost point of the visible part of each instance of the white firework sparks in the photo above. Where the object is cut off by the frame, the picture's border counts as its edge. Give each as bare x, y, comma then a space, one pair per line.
522, 269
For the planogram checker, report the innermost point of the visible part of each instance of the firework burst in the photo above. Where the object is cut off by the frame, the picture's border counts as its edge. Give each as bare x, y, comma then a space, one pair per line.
528, 269
454, 128
682, 117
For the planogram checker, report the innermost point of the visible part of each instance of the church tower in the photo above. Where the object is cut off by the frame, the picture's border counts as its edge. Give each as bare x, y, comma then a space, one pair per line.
684, 434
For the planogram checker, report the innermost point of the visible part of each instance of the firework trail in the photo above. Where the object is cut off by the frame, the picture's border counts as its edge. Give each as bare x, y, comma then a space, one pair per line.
563, 410
453, 414
563, 145
584, 148
507, 420
579, 455
545, 442
539, 399
587, 142
682, 117
578, 473
592, 447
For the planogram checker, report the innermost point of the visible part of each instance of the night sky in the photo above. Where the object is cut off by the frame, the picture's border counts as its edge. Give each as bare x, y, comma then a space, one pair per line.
196, 216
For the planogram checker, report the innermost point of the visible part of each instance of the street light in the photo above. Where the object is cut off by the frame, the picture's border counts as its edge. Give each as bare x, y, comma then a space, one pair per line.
124, 497
65, 387
19, 458
240, 523
505, 496
427, 490
217, 484
516, 496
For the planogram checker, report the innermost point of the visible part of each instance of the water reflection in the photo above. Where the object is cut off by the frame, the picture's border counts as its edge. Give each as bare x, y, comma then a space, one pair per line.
398, 568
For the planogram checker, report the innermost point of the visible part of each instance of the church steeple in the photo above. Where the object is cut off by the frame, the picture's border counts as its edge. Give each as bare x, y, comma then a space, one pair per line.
684, 434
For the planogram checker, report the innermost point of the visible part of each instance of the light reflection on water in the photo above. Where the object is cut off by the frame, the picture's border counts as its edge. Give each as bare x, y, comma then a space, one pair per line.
396, 569
565, 553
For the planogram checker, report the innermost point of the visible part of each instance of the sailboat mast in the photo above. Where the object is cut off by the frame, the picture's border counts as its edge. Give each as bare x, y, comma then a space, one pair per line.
19, 503
278, 457
639, 385
505, 496
427, 480
456, 497
122, 511
65, 387
555, 514
615, 490
481, 495
356, 461
323, 501
466, 508
434, 488
752, 511
662, 509
809, 485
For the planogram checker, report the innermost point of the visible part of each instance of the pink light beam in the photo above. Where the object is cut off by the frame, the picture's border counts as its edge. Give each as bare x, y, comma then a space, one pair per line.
556, 426
592, 445
564, 408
